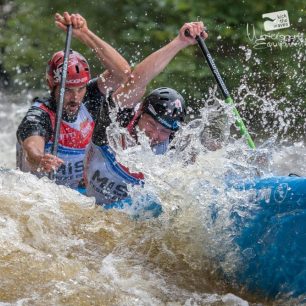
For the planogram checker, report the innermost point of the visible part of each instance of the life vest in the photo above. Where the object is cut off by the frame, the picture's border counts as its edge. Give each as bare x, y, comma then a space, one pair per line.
105, 178
73, 140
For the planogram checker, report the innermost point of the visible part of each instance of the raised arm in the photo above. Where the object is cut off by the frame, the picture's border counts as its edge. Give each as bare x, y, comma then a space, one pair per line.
150, 67
117, 68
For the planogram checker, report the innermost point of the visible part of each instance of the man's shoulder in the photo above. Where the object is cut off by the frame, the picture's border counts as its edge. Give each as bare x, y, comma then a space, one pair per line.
37, 121
41, 105
40, 109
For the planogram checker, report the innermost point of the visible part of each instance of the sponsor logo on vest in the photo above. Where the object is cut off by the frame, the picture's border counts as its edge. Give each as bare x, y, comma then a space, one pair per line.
68, 136
85, 128
106, 187
71, 168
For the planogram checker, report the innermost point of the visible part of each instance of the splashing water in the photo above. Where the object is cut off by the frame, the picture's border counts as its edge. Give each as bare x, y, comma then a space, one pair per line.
11, 113
57, 247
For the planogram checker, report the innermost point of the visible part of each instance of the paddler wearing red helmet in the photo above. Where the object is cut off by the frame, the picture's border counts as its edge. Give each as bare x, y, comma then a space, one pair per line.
82, 102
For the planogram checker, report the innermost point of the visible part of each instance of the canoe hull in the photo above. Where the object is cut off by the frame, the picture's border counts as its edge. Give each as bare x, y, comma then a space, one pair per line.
272, 240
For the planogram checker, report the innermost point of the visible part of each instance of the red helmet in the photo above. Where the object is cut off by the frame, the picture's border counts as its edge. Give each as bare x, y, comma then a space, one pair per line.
78, 73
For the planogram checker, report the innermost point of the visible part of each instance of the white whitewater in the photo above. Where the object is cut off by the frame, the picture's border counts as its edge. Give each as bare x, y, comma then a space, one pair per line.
58, 248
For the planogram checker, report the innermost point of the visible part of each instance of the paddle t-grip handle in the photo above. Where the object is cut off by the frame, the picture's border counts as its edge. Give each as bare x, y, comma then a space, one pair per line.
187, 32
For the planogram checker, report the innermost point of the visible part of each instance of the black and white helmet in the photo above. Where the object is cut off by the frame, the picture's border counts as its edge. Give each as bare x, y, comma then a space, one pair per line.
166, 106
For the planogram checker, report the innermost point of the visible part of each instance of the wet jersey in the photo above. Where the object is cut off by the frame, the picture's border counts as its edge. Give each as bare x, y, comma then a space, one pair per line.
73, 140
105, 178
74, 134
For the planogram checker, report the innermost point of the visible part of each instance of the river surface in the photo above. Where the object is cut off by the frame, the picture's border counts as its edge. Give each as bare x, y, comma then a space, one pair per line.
58, 248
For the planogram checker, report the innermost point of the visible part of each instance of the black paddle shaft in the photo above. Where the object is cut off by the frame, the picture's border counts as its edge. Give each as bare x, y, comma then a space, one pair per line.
239, 122
211, 64
60, 104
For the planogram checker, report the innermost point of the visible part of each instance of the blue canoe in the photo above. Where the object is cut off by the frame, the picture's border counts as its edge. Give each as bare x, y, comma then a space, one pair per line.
270, 234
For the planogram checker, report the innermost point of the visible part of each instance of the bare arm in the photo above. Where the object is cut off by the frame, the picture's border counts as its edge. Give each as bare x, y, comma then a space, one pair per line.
34, 147
118, 69
150, 67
